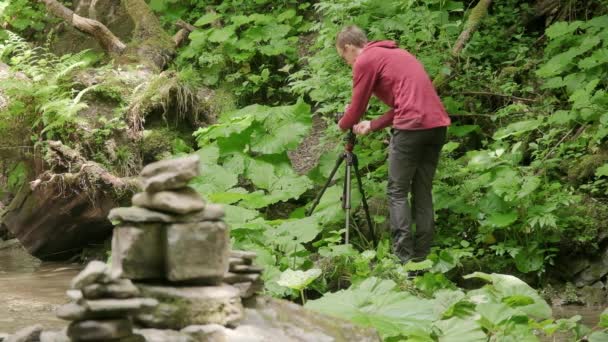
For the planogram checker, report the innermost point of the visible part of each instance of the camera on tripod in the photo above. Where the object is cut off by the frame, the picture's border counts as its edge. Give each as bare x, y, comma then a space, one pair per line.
352, 165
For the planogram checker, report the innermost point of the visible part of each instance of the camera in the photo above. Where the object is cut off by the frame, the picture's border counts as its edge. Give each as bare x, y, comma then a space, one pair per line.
337, 116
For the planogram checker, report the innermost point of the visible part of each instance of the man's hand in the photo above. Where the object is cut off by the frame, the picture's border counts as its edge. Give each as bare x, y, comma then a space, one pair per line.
362, 128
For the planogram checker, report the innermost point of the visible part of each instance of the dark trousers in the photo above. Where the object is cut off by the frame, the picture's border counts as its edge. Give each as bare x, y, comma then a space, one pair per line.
412, 162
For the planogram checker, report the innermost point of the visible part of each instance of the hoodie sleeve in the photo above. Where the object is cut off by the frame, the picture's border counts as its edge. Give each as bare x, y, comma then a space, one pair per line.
384, 121
364, 78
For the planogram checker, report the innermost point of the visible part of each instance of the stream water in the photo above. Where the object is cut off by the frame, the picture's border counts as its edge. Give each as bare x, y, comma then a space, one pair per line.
31, 290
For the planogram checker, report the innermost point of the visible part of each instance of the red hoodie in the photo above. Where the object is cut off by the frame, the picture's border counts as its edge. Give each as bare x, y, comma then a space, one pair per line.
399, 80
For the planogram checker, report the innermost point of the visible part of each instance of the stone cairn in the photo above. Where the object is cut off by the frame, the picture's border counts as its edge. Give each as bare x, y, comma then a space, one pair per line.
176, 249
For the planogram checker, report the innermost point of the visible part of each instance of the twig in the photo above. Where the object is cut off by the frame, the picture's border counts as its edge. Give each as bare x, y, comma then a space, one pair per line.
496, 94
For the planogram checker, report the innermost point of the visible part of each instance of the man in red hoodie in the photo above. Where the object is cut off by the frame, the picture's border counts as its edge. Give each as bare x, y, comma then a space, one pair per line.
418, 121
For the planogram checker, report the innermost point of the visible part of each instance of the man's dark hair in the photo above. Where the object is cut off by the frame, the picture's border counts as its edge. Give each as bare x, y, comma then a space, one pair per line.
352, 35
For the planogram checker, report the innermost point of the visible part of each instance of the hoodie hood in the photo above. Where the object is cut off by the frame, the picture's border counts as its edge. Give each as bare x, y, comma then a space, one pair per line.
387, 44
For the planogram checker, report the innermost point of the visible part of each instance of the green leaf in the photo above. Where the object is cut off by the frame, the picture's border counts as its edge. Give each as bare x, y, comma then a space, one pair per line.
293, 232
518, 128
598, 336
418, 266
460, 330
562, 28
517, 300
508, 285
298, 280
602, 170
214, 178
376, 303
208, 18
221, 35
502, 220
604, 319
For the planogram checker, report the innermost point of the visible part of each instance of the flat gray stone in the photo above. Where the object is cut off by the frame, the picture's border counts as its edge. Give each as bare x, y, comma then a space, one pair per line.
74, 294
206, 333
72, 312
157, 335
143, 215
180, 201
100, 330
95, 271
27, 334
54, 336
119, 306
137, 214
246, 269
138, 252
193, 305
121, 288
237, 261
243, 254
170, 174
231, 278
213, 212
249, 289
197, 251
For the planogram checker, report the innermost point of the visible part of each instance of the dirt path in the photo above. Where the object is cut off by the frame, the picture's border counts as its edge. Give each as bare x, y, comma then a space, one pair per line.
306, 156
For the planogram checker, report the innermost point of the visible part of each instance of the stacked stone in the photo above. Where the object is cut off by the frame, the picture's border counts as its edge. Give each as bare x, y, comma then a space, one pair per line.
243, 275
179, 245
102, 306
170, 232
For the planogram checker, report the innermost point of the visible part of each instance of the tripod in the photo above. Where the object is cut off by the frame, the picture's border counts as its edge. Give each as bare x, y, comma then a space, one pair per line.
351, 163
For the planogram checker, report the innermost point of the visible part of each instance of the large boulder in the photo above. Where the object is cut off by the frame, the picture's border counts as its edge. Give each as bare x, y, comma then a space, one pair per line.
180, 307
54, 223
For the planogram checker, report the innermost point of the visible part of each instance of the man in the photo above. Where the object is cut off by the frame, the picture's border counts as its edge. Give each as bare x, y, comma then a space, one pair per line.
418, 121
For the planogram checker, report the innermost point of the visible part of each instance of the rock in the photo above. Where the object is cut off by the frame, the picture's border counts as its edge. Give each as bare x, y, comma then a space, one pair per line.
139, 215
27, 334
249, 289
596, 271
287, 321
246, 269
157, 335
237, 261
132, 338
4, 337
54, 223
54, 336
104, 308
197, 251
593, 296
9, 244
206, 333
71, 312
74, 294
243, 254
122, 288
213, 212
143, 215
95, 271
100, 330
180, 201
170, 174
231, 278
183, 306
117, 307
138, 252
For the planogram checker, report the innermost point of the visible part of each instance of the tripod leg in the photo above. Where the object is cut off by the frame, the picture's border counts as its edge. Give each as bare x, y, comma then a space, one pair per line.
346, 198
331, 176
365, 207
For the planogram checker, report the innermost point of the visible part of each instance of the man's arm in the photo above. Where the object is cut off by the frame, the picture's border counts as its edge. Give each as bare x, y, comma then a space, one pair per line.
364, 77
382, 122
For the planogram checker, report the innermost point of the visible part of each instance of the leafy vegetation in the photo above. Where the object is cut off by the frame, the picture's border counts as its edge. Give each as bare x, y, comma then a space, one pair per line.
523, 178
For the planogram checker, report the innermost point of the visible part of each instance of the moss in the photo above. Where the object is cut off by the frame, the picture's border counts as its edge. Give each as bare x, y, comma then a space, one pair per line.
157, 144
585, 168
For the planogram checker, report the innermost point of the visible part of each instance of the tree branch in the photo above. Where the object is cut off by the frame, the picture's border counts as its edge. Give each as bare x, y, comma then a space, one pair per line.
104, 36
183, 33
477, 13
